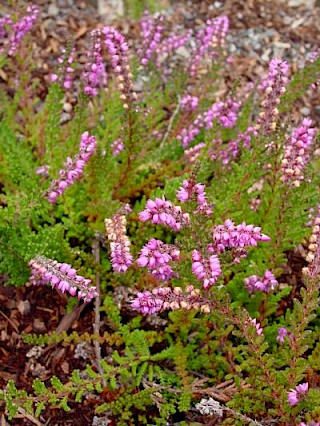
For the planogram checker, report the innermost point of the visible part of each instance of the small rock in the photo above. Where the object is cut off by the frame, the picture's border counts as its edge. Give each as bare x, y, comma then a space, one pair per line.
305, 111
297, 23
24, 307
67, 107
3, 336
266, 55
39, 326
53, 10
182, 51
282, 45
65, 117
110, 9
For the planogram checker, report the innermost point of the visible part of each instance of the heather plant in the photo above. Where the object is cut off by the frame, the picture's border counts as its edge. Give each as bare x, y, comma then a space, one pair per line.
185, 204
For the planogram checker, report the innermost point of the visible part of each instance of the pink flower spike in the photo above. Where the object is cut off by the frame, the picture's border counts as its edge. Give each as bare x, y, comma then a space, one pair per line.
61, 275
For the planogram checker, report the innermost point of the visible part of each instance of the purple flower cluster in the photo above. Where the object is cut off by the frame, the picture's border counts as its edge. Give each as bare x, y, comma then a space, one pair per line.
225, 113
282, 332
193, 153
207, 41
164, 298
118, 49
65, 71
151, 30
162, 211
189, 102
237, 237
274, 87
73, 168
95, 73
228, 152
121, 258
156, 255
117, 147
61, 276
225, 155
191, 191
172, 43
295, 395
265, 284
206, 269
297, 153
18, 29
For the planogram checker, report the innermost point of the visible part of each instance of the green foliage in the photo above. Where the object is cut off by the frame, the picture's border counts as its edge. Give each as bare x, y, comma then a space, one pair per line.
152, 369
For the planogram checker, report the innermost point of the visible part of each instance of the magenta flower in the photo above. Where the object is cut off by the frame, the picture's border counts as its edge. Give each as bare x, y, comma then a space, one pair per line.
208, 41
297, 154
266, 283
18, 29
295, 395
65, 73
225, 113
236, 237
166, 298
206, 269
73, 168
193, 153
118, 49
170, 44
121, 257
191, 191
151, 31
189, 102
164, 212
274, 87
95, 74
282, 331
156, 255
253, 321
117, 147
62, 276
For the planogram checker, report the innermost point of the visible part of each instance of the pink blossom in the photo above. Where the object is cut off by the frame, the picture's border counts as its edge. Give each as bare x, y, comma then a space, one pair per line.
62, 276
266, 283
73, 169
164, 212
295, 395
121, 257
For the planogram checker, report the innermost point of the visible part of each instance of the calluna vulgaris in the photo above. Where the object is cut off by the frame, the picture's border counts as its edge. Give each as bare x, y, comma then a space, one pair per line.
188, 215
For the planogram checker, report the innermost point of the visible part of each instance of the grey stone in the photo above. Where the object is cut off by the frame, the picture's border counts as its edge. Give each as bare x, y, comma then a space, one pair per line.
305, 111
53, 10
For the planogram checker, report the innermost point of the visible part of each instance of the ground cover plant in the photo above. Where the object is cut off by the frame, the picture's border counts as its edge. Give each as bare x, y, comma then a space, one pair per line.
171, 213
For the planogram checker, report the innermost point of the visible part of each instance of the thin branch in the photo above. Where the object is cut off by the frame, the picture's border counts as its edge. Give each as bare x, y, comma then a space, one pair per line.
175, 112
96, 325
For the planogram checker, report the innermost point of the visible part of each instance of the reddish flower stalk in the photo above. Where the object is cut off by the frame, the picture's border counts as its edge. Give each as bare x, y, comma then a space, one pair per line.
95, 74
162, 211
18, 29
156, 255
274, 87
297, 154
121, 257
151, 30
118, 49
62, 276
73, 168
166, 298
